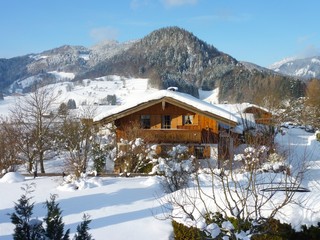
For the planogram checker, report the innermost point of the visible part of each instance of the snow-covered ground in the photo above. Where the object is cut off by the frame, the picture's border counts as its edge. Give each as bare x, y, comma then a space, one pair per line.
120, 208
129, 208
6, 104
303, 151
302, 148
91, 92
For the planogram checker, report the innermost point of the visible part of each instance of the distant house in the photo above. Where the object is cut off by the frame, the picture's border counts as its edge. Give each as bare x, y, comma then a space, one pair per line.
249, 114
170, 117
256, 124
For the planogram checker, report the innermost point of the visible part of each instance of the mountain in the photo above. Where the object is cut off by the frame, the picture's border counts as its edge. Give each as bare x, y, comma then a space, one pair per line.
169, 56
175, 57
305, 68
20, 73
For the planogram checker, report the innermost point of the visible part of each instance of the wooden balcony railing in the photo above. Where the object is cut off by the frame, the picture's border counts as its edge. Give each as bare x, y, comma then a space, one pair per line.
174, 136
266, 121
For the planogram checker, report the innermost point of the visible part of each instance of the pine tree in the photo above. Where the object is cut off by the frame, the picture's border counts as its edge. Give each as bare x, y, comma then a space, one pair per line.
53, 220
32, 229
63, 109
26, 229
82, 229
71, 104
99, 158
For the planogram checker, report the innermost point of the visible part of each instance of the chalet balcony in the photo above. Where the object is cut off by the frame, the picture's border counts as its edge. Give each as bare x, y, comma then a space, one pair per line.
265, 121
183, 136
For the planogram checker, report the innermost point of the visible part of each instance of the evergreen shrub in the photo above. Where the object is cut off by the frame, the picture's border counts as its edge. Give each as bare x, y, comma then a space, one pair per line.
182, 232
318, 136
272, 230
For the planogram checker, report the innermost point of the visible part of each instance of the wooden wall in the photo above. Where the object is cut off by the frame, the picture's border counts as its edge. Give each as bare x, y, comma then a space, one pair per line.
260, 115
176, 113
200, 128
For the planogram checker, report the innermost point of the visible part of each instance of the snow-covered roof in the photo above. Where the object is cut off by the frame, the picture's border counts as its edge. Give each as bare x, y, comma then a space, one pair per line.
178, 96
240, 108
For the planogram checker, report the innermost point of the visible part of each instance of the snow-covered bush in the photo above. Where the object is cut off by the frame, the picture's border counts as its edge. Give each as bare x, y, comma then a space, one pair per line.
176, 168
228, 229
252, 157
133, 157
257, 158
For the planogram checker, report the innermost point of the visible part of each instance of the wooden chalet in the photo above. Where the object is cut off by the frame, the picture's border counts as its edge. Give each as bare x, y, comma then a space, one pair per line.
169, 118
261, 115
250, 112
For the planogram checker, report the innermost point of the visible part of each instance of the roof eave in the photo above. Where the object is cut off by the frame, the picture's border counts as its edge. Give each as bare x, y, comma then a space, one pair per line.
167, 99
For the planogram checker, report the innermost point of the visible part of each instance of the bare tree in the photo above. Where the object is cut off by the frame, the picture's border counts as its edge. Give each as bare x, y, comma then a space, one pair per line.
76, 141
313, 102
8, 146
33, 115
76, 136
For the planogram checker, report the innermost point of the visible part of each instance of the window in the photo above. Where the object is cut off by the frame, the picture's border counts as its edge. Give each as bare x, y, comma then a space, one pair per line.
145, 121
199, 152
166, 121
187, 119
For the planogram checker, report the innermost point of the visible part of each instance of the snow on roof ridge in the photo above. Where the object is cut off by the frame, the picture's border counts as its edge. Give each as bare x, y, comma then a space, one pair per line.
240, 107
183, 97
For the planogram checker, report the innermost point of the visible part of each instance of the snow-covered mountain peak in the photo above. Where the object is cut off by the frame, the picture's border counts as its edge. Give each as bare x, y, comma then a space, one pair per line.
275, 66
304, 67
107, 49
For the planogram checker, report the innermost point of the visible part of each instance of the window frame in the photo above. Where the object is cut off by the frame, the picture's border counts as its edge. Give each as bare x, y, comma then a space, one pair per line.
145, 121
185, 119
166, 122
199, 152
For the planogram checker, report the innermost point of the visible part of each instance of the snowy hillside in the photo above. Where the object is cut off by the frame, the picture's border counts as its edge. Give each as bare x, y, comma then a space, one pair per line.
95, 92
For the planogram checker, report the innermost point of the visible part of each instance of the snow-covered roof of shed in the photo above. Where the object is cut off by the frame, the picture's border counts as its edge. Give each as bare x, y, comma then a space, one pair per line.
181, 97
239, 108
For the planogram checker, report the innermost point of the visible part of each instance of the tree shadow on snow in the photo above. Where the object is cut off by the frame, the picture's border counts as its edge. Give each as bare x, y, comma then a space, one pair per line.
118, 218
103, 200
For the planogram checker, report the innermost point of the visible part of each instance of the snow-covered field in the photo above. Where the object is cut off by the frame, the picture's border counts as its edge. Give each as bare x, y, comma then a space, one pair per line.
94, 91
120, 208
129, 208
91, 92
302, 148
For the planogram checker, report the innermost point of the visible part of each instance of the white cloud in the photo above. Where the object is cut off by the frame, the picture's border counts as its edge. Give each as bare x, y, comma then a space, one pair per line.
305, 38
309, 51
136, 4
104, 33
176, 3
308, 46
221, 17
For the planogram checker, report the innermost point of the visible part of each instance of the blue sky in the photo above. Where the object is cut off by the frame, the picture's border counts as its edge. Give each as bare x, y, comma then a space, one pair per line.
257, 31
